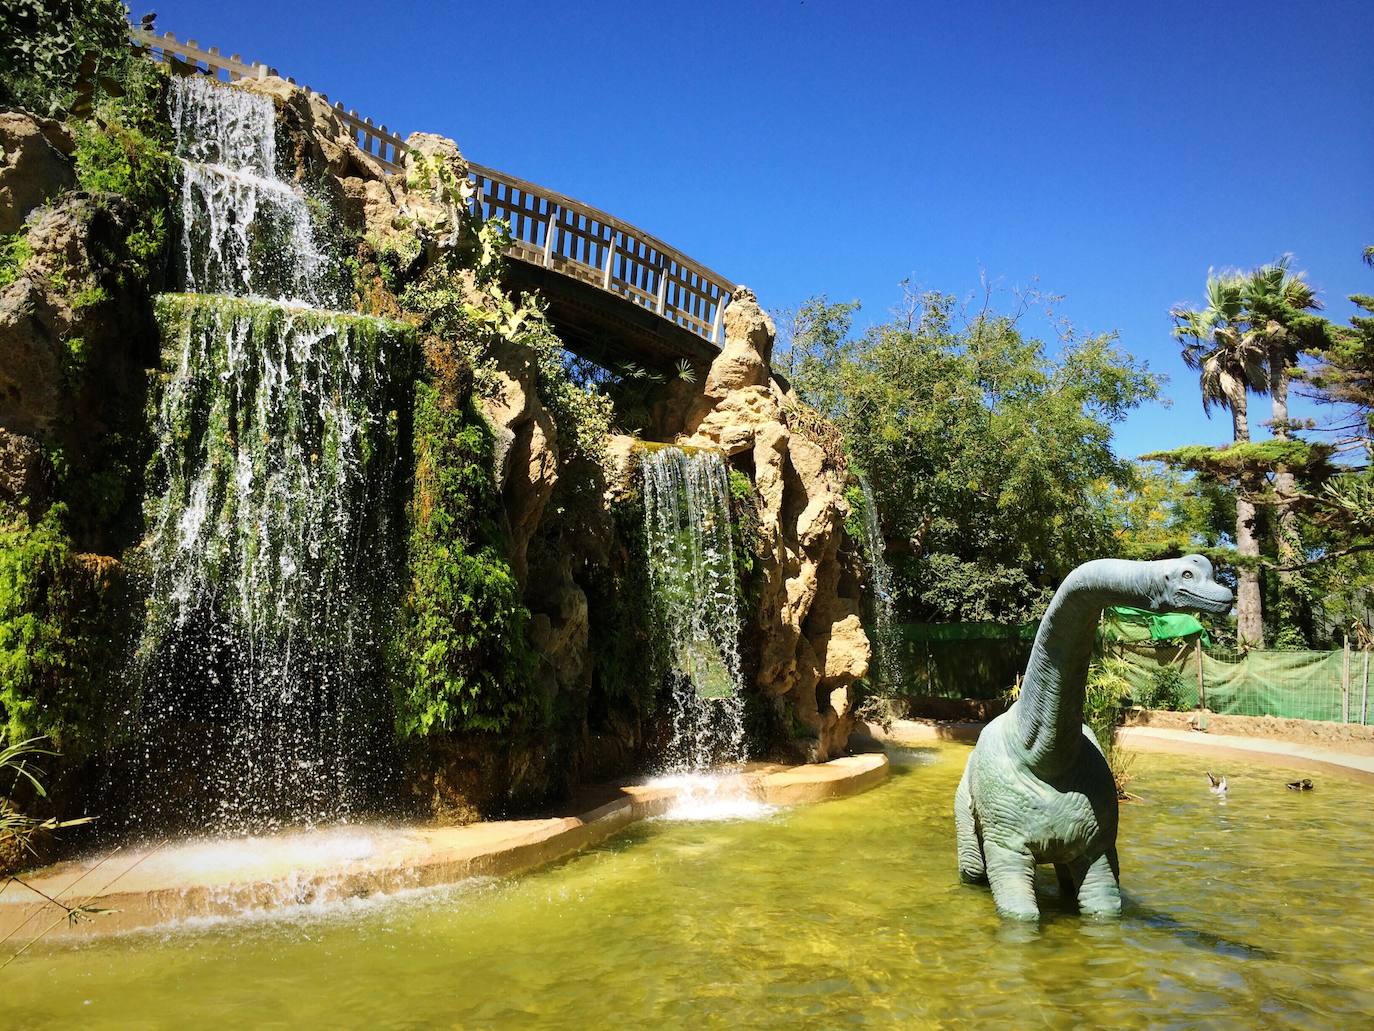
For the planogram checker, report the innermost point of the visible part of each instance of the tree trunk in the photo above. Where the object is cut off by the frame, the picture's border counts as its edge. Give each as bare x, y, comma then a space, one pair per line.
1288, 542
1249, 607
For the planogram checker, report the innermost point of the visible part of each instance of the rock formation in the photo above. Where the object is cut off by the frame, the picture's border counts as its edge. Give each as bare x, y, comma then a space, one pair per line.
812, 644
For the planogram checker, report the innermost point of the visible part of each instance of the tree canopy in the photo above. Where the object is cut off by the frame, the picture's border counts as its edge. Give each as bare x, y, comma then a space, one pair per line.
990, 455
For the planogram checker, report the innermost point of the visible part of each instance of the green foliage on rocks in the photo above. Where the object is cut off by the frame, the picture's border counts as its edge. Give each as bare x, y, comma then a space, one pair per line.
60, 645
124, 149
459, 299
460, 660
53, 51
630, 658
15, 252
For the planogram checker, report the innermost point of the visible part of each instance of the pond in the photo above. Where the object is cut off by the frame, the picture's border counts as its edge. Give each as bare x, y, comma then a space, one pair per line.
1256, 911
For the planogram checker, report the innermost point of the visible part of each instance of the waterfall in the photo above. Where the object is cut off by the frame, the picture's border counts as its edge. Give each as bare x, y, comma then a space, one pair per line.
274, 499
889, 664
244, 231
692, 571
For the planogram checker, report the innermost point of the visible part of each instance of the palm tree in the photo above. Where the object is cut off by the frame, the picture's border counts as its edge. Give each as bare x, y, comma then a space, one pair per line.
1232, 363
1277, 303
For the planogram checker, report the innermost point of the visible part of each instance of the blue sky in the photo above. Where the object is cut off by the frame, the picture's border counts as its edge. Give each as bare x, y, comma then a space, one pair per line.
1113, 152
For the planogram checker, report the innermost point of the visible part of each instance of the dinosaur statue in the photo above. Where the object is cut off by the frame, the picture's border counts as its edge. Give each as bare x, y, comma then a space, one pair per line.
1037, 788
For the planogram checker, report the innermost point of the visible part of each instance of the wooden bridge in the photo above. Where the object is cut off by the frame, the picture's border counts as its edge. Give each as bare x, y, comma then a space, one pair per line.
616, 294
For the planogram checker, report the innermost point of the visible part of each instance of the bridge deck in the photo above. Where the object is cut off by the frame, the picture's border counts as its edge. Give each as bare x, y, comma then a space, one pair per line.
616, 294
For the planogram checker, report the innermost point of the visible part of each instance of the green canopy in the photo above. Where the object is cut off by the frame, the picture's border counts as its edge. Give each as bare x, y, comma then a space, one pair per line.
1127, 624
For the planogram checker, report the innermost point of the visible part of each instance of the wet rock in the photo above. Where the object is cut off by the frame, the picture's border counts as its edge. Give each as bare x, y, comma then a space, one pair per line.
526, 450
24, 471
811, 643
33, 167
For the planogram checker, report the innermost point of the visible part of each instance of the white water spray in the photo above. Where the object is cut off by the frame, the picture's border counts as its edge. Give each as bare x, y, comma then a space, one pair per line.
692, 570
245, 231
889, 665
272, 542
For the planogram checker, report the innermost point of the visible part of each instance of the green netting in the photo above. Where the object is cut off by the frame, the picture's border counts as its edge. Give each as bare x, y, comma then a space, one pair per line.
1304, 685
983, 660
1123, 623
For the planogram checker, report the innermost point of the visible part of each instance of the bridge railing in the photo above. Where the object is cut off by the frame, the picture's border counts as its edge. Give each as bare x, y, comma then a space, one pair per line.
548, 228
584, 242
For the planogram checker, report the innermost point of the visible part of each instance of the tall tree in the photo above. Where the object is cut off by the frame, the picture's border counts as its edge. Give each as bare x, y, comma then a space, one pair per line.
1232, 363
1278, 312
987, 453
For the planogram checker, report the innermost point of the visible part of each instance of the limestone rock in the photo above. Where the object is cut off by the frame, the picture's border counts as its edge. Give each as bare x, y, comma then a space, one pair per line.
24, 470
811, 644
527, 450
619, 465
32, 168
30, 364
743, 361
436, 183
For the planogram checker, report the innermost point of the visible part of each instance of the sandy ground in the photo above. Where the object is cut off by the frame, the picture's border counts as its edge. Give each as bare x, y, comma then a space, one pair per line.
1338, 737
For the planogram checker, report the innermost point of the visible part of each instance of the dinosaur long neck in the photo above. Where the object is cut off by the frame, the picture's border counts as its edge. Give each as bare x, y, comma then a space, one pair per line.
1049, 710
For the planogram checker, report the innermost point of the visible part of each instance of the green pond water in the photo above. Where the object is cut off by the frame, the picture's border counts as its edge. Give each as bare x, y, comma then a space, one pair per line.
1255, 913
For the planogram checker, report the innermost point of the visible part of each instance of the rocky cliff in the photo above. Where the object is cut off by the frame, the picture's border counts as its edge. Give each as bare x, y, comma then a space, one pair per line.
572, 695
811, 644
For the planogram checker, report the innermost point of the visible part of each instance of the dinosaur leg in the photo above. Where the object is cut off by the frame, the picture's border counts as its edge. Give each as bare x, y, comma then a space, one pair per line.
1068, 887
1099, 894
1012, 876
971, 866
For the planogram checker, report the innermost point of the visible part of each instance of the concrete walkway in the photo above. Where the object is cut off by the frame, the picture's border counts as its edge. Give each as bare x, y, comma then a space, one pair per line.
1288, 754
145, 887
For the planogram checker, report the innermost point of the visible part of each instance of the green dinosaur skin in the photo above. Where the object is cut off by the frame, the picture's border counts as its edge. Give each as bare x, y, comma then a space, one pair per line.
1037, 788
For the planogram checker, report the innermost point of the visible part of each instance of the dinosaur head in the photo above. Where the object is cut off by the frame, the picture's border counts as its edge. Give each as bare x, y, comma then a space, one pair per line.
1186, 583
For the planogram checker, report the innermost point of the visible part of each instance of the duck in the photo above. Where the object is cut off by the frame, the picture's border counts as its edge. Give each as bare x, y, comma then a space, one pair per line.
1300, 785
1218, 785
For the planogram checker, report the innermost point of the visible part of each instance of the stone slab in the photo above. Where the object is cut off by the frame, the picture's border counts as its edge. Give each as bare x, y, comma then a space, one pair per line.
150, 886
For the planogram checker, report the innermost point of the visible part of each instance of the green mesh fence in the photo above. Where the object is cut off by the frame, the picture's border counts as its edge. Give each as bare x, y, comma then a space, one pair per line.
1304, 685
983, 660
962, 660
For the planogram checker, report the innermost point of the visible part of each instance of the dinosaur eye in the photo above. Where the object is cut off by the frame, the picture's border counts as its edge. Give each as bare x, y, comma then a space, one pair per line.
1187, 574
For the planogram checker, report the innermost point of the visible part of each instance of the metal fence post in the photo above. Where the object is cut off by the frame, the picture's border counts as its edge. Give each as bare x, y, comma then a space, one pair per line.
1364, 693
1201, 687
1345, 680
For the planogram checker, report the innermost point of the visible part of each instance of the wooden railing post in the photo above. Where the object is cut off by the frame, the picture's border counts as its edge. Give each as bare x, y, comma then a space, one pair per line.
1201, 685
662, 298
1364, 693
549, 230
610, 258
1345, 679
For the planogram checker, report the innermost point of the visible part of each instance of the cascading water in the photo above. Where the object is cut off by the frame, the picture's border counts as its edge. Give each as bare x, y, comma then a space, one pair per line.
889, 664
692, 570
245, 232
273, 508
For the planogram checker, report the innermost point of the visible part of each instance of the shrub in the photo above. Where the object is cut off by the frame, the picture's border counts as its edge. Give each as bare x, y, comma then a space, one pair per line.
59, 635
50, 49
460, 660
1167, 690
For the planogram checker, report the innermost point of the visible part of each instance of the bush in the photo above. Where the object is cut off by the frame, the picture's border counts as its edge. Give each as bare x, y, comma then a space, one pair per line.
51, 49
1167, 690
460, 660
125, 149
60, 636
